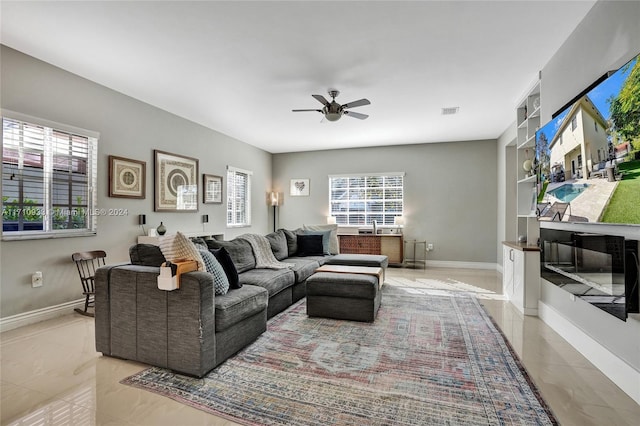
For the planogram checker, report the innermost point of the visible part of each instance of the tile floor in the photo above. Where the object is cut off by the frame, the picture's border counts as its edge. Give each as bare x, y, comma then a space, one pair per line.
50, 373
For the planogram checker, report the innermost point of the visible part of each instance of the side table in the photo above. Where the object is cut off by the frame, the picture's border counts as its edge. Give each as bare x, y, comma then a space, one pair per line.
411, 257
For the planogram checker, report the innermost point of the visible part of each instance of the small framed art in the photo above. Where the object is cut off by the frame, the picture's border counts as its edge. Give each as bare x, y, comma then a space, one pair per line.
299, 188
127, 177
211, 189
176, 182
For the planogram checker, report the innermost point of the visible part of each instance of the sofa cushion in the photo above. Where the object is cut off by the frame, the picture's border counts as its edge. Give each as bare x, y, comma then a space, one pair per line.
292, 241
146, 255
239, 250
279, 245
220, 280
320, 259
310, 245
334, 245
303, 267
222, 256
178, 247
239, 304
274, 280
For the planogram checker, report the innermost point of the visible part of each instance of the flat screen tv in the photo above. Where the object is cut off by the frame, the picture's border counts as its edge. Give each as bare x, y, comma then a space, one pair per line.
588, 155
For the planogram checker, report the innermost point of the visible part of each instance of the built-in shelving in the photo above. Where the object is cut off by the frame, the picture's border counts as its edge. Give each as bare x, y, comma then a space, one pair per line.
528, 122
520, 260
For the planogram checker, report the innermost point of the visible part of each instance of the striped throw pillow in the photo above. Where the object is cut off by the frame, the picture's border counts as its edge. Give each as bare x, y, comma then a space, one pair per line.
178, 247
220, 280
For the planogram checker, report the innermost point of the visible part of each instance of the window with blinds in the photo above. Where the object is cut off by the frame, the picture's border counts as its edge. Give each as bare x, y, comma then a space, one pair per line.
48, 176
361, 199
238, 197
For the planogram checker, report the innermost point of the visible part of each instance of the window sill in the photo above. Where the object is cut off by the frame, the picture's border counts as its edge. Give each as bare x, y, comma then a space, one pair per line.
20, 236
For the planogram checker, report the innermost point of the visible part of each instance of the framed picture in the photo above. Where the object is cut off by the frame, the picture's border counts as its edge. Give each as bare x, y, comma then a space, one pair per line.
127, 177
176, 183
211, 189
299, 188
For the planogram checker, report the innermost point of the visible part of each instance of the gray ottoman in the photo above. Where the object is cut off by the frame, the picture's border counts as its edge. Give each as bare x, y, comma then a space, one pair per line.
345, 296
373, 260
381, 261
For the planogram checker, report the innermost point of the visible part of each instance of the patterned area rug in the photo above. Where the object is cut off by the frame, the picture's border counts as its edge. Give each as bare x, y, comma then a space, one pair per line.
428, 359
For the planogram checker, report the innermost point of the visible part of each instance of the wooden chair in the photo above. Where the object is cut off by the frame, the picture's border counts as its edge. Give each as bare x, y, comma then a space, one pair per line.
88, 262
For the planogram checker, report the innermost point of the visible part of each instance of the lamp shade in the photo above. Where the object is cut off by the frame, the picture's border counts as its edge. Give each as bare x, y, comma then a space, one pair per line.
398, 220
331, 220
274, 198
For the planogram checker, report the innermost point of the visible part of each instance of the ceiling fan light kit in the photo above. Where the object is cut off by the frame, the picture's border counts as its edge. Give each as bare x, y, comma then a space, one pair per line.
332, 111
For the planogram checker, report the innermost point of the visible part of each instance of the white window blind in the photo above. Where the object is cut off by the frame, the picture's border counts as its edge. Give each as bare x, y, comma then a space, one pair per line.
238, 197
360, 199
49, 173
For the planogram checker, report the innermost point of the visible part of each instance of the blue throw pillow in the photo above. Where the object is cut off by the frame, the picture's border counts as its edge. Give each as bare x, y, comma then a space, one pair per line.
326, 236
213, 267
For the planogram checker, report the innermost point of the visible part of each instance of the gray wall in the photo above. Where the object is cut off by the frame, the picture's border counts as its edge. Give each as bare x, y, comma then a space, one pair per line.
607, 38
450, 191
128, 128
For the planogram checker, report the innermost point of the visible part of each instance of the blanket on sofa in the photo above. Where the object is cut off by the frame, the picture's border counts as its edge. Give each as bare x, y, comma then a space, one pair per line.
262, 251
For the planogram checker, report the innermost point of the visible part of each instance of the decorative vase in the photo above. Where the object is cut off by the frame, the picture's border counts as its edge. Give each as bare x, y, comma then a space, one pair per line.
161, 229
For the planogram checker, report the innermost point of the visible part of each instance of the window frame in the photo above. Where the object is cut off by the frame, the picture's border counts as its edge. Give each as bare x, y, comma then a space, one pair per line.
231, 194
386, 216
48, 179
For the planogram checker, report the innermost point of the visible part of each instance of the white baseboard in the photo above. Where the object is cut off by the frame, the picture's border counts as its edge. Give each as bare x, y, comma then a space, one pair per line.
617, 370
32, 317
460, 265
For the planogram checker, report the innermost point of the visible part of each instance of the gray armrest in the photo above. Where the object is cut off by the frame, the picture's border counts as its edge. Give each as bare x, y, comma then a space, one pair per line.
173, 329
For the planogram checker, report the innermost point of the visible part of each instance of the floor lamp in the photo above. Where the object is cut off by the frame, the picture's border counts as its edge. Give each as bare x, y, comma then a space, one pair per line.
275, 199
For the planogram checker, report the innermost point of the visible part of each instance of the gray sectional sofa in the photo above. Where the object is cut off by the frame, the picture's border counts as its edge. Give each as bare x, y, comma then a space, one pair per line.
192, 330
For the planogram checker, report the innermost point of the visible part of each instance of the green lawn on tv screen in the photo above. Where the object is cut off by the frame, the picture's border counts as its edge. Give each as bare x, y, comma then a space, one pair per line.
624, 206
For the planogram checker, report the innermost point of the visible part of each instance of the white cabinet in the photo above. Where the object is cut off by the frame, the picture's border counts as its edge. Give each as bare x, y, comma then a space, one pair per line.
520, 276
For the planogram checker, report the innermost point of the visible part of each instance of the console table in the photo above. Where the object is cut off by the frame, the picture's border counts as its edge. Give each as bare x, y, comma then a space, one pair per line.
390, 245
145, 239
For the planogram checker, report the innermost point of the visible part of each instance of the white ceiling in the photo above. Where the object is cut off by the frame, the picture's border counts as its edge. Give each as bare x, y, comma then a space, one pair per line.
240, 67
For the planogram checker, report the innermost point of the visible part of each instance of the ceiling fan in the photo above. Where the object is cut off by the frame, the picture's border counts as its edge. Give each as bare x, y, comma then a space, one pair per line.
333, 110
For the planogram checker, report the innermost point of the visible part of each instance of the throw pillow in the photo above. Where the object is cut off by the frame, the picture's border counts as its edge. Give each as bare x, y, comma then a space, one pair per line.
326, 235
146, 255
222, 256
279, 245
292, 241
334, 244
240, 251
310, 245
200, 244
220, 280
178, 247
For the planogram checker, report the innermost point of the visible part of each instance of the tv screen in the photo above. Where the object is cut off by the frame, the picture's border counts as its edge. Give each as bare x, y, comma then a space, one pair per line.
588, 156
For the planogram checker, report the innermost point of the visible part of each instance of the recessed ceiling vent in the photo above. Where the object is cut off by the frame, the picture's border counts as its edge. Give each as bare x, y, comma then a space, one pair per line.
450, 110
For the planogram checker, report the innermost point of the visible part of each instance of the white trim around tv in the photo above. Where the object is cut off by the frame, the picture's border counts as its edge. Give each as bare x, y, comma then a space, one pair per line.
616, 369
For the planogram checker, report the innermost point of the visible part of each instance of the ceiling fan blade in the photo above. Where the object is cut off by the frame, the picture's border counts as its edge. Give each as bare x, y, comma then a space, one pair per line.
355, 115
321, 99
302, 110
353, 104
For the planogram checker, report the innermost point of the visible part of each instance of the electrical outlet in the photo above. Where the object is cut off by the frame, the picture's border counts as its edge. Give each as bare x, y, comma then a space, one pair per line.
36, 279
429, 247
